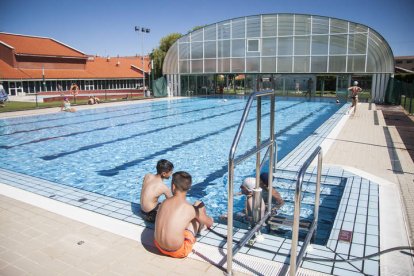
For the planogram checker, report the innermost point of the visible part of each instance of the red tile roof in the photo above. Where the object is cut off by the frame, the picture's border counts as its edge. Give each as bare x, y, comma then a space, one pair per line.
39, 46
96, 68
117, 67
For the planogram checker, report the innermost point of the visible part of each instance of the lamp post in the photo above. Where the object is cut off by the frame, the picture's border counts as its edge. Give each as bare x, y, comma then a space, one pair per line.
142, 30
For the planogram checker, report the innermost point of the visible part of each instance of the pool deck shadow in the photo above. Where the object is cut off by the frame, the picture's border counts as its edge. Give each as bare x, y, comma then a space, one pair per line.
39, 242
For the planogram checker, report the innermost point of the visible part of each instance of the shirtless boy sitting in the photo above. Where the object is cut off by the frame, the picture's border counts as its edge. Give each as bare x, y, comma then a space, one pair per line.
178, 221
153, 187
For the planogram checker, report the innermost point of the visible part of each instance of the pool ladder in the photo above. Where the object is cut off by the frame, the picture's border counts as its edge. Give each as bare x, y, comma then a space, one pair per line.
258, 221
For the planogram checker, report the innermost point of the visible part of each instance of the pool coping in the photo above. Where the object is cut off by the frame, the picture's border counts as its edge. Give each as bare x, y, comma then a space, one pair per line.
132, 231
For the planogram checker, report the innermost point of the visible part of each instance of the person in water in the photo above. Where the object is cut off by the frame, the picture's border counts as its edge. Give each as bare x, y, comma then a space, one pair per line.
66, 106
153, 187
277, 200
178, 222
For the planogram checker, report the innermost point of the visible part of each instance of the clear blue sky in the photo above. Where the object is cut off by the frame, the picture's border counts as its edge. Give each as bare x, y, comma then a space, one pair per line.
106, 27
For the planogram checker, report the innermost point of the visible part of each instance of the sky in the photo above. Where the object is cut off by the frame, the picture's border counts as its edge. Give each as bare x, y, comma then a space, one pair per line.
106, 27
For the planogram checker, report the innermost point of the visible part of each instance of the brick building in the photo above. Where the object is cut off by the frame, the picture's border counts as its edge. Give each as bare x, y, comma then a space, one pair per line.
31, 64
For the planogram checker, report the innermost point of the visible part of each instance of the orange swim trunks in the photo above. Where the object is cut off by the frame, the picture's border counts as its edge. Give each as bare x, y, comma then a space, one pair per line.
184, 250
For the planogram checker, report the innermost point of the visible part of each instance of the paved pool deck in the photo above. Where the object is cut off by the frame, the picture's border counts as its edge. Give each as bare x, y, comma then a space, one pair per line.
42, 236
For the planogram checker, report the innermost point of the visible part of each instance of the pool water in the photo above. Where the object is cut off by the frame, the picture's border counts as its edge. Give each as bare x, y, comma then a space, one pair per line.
109, 150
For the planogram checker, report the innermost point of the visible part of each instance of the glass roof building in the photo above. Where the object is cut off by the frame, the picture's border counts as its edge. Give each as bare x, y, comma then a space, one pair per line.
279, 51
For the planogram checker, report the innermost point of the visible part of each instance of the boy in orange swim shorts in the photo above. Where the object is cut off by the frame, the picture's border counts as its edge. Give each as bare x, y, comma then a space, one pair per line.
177, 220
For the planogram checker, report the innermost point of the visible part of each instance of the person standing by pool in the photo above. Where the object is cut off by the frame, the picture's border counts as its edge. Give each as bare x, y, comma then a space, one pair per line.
153, 187
66, 106
354, 95
178, 221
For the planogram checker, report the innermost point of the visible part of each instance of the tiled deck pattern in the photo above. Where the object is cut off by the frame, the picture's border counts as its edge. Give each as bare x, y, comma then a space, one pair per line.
357, 212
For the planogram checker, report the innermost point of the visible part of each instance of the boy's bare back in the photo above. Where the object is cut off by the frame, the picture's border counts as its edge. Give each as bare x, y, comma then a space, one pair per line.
152, 188
174, 216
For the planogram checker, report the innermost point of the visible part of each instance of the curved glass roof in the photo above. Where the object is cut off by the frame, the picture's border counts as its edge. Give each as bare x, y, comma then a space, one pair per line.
280, 43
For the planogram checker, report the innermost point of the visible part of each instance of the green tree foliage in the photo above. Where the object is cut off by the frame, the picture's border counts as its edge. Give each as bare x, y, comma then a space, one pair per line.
197, 28
158, 54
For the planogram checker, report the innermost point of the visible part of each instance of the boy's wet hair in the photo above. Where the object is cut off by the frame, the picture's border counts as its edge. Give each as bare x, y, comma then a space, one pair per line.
182, 180
164, 166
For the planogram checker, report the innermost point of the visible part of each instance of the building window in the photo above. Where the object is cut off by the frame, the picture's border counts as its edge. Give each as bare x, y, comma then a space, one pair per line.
252, 45
399, 61
409, 61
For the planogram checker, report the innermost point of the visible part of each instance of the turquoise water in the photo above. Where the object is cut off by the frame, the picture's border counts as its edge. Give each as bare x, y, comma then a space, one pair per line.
109, 150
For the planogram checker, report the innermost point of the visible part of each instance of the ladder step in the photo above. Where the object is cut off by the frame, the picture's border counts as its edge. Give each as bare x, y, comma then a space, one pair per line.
277, 221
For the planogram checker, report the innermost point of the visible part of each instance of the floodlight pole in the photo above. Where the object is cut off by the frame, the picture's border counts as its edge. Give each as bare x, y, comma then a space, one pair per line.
142, 30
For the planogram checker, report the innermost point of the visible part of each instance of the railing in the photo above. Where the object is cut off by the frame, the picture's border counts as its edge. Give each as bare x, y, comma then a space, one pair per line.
233, 162
296, 260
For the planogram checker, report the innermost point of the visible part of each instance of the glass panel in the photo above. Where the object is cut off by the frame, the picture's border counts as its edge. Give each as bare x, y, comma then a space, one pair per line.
268, 65
197, 66
210, 49
237, 64
238, 48
384, 54
209, 65
357, 28
285, 46
356, 63
319, 64
320, 25
223, 30
184, 66
320, 45
210, 32
301, 65
238, 27
269, 25
302, 24
196, 50
197, 35
337, 64
184, 49
223, 65
285, 24
357, 44
185, 38
338, 44
223, 49
339, 26
253, 45
253, 26
302, 45
253, 64
269, 46
284, 64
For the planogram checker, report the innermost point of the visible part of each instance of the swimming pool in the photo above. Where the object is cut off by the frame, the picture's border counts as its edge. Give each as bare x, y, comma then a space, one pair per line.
109, 150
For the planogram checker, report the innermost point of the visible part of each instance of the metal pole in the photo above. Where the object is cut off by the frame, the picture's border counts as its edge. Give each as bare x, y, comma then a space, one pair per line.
317, 192
257, 193
295, 228
152, 77
271, 153
230, 219
37, 104
143, 66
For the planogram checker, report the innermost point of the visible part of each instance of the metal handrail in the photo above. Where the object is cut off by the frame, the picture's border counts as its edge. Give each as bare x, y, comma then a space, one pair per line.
296, 260
233, 162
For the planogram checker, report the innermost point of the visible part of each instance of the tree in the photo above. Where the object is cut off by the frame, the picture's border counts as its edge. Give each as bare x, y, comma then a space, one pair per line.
158, 54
